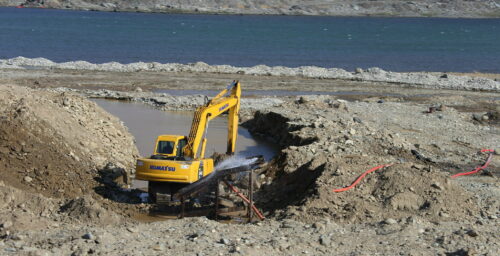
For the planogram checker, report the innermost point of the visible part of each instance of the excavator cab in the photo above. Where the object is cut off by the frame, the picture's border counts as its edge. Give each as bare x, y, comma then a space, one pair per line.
169, 147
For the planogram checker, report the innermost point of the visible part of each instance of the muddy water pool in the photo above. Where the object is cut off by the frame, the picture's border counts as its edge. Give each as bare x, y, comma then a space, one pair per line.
146, 123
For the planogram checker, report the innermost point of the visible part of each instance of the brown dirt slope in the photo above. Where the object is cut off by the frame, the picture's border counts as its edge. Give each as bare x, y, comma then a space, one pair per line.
53, 143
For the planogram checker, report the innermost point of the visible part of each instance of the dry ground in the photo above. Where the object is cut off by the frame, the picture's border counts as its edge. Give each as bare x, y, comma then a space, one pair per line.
410, 208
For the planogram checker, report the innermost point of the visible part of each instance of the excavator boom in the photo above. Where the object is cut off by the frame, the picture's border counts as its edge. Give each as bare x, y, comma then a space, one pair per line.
226, 100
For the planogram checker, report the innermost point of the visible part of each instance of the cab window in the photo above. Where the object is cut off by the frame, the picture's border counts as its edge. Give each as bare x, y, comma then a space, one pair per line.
165, 147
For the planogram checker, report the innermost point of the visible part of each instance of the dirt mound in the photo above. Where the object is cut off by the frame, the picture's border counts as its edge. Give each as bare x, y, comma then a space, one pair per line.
340, 146
85, 210
54, 143
397, 192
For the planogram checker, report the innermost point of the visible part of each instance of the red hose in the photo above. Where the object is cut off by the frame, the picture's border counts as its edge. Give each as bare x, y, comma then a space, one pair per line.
479, 168
361, 177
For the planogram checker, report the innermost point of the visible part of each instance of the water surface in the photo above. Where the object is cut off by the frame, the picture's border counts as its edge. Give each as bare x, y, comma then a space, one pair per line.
397, 44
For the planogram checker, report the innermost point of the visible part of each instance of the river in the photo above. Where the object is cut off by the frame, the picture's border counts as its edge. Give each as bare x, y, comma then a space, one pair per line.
396, 44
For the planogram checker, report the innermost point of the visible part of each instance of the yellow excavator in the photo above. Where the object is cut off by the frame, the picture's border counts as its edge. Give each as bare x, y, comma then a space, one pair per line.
178, 160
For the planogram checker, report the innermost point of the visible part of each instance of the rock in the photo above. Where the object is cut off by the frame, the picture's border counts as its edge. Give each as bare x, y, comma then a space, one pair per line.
302, 100
437, 185
358, 71
193, 237
288, 224
160, 100
7, 224
318, 226
131, 230
477, 117
352, 131
138, 89
88, 236
349, 142
441, 108
225, 241
10, 249
17, 237
159, 247
390, 221
339, 105
325, 240
108, 5
65, 102
18, 244
444, 76
28, 179
472, 233
380, 101
444, 214
357, 120
485, 117
406, 201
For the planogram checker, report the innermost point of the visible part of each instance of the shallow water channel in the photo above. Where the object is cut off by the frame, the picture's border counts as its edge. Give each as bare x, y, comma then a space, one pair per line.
146, 123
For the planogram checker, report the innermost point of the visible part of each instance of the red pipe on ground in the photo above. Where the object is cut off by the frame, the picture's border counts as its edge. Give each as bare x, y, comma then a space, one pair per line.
479, 168
235, 190
361, 177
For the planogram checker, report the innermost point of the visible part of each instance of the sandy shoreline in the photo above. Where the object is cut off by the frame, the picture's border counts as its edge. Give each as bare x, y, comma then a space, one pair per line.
429, 80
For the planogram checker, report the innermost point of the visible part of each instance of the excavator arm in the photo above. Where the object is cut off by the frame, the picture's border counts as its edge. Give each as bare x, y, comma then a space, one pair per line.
227, 100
